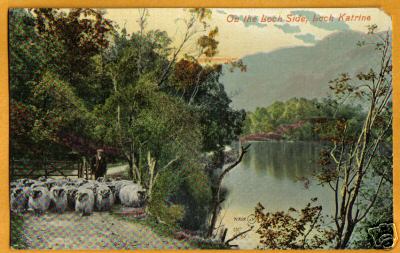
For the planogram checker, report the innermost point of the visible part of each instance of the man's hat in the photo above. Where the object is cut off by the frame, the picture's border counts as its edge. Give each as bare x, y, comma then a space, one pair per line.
100, 150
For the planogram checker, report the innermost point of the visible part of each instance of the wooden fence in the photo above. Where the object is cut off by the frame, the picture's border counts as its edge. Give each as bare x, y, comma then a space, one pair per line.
38, 168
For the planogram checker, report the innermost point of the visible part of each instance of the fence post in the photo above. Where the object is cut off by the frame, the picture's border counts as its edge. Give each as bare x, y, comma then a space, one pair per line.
45, 166
80, 169
84, 167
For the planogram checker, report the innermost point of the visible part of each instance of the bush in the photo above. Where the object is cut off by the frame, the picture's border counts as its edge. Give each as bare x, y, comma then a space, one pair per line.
181, 197
160, 205
195, 195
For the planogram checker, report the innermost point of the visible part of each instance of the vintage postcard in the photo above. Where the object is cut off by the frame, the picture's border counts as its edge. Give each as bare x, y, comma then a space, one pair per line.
200, 128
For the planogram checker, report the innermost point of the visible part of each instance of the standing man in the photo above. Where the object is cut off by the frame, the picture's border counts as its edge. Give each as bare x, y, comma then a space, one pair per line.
99, 164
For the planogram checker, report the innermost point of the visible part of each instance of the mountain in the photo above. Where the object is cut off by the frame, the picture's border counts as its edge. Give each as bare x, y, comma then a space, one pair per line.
298, 71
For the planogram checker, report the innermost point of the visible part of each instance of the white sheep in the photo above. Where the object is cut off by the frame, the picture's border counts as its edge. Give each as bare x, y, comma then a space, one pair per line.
118, 186
84, 201
104, 198
39, 199
59, 198
71, 196
19, 199
132, 195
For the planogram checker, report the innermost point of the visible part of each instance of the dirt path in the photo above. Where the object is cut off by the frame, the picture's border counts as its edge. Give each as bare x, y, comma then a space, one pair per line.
98, 231
117, 169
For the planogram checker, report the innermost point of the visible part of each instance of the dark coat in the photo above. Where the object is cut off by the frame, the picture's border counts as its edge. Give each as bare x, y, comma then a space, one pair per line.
99, 166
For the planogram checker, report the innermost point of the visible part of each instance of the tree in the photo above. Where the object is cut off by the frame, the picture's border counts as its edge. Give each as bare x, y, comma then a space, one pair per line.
53, 87
353, 159
308, 116
73, 38
143, 57
151, 104
167, 139
26, 54
357, 163
217, 200
199, 86
26, 64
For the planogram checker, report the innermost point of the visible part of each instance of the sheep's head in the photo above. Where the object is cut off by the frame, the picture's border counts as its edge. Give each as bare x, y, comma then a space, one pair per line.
105, 192
112, 187
58, 192
17, 192
83, 196
71, 193
142, 195
36, 193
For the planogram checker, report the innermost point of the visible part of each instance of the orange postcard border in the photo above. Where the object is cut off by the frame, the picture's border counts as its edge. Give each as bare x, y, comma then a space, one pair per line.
391, 7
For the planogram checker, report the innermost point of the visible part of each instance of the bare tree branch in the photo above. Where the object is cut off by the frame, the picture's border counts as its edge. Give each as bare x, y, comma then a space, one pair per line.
372, 202
238, 235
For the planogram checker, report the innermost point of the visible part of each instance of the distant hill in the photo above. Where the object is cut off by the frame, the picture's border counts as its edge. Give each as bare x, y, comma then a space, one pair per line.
298, 71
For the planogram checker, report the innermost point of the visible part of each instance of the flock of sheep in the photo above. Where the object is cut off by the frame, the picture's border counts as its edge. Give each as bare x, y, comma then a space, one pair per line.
83, 196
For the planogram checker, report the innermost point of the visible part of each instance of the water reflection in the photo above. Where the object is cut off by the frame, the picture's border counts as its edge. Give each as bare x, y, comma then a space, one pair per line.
283, 160
270, 173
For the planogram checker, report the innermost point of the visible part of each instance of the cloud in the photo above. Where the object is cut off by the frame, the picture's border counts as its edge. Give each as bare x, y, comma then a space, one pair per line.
286, 28
221, 12
330, 25
306, 38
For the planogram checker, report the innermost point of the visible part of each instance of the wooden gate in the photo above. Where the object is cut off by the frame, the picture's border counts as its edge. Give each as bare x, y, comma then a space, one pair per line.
37, 168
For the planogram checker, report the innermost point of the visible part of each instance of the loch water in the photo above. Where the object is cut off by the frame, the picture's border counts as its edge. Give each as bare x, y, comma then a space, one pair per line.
277, 174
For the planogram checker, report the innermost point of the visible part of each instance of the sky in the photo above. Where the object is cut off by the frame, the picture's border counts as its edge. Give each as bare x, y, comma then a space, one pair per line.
238, 39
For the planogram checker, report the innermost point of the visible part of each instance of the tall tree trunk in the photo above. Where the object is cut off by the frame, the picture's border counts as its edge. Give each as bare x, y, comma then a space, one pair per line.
134, 170
216, 200
152, 166
214, 214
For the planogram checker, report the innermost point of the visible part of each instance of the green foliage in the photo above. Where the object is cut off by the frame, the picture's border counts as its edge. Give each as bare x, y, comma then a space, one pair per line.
221, 124
200, 87
26, 54
381, 213
357, 165
294, 229
132, 56
78, 84
57, 107
195, 195
72, 39
305, 132
50, 73
168, 182
267, 119
309, 119
364, 153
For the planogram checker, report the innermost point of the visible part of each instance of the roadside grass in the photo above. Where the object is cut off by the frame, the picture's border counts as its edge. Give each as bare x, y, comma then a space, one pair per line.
16, 232
165, 230
158, 228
